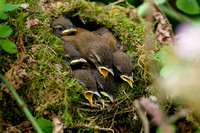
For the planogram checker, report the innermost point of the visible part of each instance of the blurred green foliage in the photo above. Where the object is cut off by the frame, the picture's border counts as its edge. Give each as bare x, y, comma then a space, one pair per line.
5, 30
188, 6
45, 125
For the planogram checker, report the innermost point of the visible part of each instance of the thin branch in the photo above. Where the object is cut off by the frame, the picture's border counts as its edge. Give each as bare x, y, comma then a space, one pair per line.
142, 116
121, 112
92, 121
116, 2
127, 96
113, 119
95, 127
169, 12
21, 104
176, 116
42, 45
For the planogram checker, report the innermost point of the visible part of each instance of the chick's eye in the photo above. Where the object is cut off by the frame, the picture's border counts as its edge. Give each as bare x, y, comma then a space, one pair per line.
98, 62
68, 58
60, 28
99, 87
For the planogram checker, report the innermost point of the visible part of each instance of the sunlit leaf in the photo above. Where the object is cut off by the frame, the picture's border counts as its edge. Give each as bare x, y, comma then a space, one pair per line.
188, 6
5, 30
167, 70
145, 5
45, 125
3, 16
161, 55
10, 7
8, 46
159, 2
142, 9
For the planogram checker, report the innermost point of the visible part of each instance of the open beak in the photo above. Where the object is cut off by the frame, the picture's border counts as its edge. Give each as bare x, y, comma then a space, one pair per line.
97, 93
89, 95
104, 71
109, 96
128, 79
78, 60
69, 30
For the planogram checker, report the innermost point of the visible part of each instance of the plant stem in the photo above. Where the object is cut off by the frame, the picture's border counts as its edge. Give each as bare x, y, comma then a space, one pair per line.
174, 14
21, 104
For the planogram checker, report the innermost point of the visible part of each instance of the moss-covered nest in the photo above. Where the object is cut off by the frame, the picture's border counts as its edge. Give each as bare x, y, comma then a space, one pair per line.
43, 79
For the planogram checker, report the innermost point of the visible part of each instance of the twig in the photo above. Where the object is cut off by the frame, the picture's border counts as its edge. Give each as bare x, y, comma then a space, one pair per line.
113, 119
49, 48
126, 111
169, 12
116, 2
122, 100
80, 114
27, 129
87, 104
90, 110
21, 104
42, 45
92, 121
176, 116
127, 96
95, 127
142, 116
182, 18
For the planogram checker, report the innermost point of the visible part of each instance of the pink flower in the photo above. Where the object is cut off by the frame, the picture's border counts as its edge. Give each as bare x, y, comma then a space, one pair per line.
187, 41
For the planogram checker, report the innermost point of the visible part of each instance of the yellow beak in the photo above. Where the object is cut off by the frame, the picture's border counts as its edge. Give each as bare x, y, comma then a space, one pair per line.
89, 95
128, 79
104, 71
69, 30
78, 60
107, 95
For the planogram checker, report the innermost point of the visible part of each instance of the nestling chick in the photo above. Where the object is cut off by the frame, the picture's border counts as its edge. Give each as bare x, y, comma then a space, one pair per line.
123, 67
105, 86
62, 27
86, 79
71, 55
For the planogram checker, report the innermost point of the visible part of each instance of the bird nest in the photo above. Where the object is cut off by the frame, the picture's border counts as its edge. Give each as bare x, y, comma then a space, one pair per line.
44, 80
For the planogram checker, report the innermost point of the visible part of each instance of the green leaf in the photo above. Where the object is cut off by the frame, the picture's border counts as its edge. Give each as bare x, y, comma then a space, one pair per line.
197, 130
8, 46
159, 130
1, 5
10, 7
5, 30
145, 5
167, 70
159, 2
188, 6
3, 16
161, 55
142, 9
45, 125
